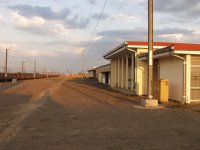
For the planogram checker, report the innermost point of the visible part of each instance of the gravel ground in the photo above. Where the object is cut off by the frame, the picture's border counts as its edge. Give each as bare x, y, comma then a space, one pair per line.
59, 114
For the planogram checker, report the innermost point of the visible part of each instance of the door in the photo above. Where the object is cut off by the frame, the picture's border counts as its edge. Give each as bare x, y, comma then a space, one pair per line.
107, 77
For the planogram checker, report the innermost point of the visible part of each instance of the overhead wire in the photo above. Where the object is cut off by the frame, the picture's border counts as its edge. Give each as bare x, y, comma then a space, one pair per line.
121, 4
89, 15
107, 26
99, 18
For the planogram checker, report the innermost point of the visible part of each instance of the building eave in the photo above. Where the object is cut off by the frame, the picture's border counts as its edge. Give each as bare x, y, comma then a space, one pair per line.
134, 45
187, 52
110, 53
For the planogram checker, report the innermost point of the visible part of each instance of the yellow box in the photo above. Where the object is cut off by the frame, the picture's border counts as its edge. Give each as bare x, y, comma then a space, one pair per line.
161, 90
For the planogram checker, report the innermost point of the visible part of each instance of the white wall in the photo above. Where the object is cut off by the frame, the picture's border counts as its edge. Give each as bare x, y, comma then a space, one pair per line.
91, 74
141, 74
172, 69
103, 78
113, 73
100, 77
141, 78
188, 78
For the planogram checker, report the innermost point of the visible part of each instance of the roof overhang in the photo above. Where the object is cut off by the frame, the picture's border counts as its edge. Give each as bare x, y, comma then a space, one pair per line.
131, 47
120, 51
161, 49
167, 52
104, 69
91, 70
155, 56
187, 52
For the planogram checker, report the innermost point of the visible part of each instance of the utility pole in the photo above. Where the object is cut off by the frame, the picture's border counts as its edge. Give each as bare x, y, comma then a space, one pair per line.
150, 49
6, 66
23, 70
150, 102
35, 63
83, 64
47, 74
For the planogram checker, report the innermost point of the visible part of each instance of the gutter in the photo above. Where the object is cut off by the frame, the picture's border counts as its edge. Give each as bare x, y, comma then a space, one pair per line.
184, 74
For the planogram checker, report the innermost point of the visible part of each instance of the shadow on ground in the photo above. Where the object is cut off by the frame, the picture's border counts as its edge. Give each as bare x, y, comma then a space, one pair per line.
53, 127
93, 83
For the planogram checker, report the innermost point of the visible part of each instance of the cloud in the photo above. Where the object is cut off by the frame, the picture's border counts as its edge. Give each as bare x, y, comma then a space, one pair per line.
163, 34
189, 8
4, 1
174, 31
96, 16
37, 53
44, 12
92, 1
1, 19
23, 22
125, 17
127, 2
177, 35
7, 45
76, 22
38, 25
137, 34
64, 15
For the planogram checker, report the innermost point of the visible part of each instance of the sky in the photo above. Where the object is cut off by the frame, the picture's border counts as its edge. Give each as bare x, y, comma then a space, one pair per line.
55, 32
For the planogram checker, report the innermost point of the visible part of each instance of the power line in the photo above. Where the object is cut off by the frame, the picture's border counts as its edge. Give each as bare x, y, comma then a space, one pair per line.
97, 23
89, 15
115, 13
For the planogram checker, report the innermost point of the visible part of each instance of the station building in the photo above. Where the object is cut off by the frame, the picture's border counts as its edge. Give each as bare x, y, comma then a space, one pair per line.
92, 73
177, 62
101, 73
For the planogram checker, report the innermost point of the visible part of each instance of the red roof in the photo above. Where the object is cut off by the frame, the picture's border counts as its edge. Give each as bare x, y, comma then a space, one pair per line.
177, 46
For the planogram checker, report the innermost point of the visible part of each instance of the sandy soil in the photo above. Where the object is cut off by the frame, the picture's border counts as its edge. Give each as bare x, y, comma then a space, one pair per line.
59, 114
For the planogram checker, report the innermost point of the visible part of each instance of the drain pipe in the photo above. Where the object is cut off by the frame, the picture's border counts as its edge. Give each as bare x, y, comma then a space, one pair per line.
135, 64
184, 75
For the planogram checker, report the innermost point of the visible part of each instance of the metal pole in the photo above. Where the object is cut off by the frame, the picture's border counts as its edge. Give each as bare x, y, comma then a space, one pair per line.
83, 62
22, 70
150, 49
6, 65
35, 70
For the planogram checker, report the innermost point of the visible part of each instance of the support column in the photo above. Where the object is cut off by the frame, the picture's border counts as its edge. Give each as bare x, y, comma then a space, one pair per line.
118, 72
115, 73
122, 73
127, 72
188, 78
132, 61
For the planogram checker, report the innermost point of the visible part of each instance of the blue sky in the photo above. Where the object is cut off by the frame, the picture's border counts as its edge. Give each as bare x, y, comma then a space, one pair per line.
54, 32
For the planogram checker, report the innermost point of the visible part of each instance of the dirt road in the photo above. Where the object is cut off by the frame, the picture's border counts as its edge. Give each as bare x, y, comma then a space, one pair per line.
59, 114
